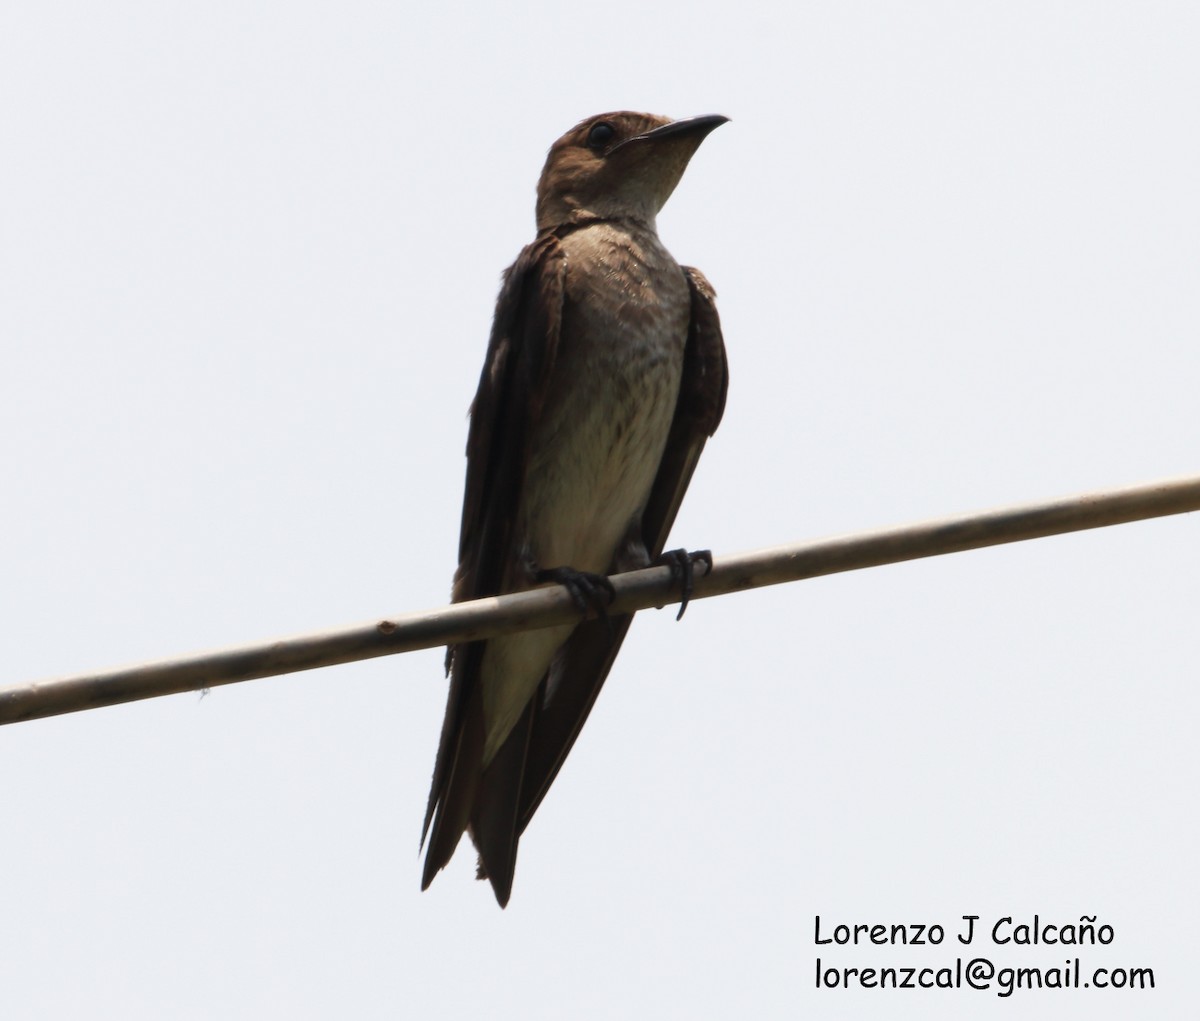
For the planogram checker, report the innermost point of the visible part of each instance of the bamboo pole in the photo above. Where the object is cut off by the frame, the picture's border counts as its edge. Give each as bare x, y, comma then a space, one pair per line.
637, 590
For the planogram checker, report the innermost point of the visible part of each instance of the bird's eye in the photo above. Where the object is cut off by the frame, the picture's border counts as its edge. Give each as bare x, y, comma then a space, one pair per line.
601, 134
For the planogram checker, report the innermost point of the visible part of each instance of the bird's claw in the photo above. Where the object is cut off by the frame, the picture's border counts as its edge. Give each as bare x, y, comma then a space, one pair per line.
683, 571
588, 590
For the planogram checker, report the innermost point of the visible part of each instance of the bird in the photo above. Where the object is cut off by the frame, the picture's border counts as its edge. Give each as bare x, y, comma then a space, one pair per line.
605, 374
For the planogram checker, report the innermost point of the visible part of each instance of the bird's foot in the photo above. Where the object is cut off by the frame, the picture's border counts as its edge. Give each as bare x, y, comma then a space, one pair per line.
589, 591
683, 570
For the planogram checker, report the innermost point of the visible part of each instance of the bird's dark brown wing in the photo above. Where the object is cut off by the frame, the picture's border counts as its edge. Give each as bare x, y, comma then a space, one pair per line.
588, 655
512, 388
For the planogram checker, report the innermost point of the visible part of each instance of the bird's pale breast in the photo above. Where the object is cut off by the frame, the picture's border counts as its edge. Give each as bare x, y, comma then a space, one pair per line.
598, 448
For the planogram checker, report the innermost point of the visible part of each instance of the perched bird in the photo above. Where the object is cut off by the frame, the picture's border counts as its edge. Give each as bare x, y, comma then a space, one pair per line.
605, 374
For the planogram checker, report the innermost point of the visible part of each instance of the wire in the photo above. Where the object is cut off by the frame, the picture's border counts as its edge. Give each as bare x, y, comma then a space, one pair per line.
637, 590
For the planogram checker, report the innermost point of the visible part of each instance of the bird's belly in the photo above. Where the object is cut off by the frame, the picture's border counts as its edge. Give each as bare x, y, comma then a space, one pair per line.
596, 459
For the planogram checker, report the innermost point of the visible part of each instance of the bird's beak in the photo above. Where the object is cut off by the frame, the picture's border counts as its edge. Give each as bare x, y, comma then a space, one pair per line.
695, 126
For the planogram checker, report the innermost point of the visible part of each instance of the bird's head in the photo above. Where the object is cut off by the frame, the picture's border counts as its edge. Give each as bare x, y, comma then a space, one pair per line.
617, 165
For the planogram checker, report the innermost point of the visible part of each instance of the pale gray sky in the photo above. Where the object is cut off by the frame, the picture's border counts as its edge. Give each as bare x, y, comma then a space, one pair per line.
248, 255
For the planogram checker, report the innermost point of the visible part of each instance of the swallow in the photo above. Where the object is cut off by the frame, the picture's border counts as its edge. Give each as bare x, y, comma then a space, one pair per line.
605, 374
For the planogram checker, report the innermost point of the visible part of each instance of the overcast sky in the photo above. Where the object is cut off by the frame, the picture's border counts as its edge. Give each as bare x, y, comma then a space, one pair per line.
248, 258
